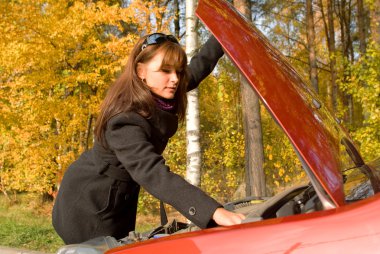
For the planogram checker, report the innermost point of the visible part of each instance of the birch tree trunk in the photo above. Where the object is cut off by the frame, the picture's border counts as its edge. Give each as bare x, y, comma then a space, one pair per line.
194, 160
254, 152
311, 45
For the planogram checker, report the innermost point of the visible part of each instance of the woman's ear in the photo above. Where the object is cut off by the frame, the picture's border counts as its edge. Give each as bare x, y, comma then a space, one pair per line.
141, 71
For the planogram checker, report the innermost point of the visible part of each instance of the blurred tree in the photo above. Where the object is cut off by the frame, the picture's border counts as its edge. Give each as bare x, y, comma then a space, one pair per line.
57, 59
311, 45
254, 156
222, 134
55, 76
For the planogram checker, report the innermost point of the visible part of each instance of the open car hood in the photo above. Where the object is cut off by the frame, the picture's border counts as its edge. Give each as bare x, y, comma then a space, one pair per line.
313, 131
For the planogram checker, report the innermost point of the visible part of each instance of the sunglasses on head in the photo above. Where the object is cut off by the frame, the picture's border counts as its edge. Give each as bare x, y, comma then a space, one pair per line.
158, 38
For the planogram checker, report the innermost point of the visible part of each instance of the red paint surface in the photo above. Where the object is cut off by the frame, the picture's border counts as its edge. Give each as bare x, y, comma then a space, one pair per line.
350, 229
313, 132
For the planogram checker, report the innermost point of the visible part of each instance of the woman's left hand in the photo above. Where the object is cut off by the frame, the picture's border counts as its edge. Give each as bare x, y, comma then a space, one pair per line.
224, 217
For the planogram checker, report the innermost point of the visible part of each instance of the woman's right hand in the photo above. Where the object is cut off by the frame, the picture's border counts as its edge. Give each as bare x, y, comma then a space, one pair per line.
223, 217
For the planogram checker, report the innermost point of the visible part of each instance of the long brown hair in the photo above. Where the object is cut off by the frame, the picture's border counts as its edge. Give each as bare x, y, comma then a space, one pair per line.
129, 93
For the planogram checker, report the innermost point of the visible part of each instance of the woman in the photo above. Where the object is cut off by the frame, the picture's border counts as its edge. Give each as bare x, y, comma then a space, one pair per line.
99, 192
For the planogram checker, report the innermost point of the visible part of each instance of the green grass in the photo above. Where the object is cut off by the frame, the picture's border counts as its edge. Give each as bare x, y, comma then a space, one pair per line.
25, 223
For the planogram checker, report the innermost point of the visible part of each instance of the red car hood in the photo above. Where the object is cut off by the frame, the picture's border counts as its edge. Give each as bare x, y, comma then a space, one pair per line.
310, 127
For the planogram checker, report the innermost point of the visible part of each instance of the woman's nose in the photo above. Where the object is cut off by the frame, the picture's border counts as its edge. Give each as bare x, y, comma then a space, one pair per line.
174, 76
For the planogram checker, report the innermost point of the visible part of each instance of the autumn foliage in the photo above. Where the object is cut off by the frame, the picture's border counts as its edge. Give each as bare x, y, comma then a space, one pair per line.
57, 59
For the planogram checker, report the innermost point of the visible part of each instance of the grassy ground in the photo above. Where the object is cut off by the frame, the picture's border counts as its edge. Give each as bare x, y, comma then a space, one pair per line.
25, 223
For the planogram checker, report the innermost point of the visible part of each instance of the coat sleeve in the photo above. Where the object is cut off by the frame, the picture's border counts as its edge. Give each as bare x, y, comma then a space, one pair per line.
128, 136
203, 63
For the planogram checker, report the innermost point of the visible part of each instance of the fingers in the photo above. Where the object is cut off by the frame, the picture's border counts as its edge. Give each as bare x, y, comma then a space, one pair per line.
226, 218
238, 218
242, 216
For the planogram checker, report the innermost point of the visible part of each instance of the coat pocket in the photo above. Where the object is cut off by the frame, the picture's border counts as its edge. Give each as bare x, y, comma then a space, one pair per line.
110, 201
119, 199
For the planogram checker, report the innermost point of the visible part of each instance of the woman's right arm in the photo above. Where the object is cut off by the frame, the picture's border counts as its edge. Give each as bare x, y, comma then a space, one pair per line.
204, 62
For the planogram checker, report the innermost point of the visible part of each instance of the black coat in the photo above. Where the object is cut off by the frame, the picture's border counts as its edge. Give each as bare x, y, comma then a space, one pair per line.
99, 192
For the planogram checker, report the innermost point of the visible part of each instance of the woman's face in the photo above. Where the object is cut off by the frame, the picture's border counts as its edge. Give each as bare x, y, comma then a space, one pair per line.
162, 81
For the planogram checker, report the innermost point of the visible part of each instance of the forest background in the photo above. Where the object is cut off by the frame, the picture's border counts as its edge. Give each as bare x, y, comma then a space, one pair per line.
57, 59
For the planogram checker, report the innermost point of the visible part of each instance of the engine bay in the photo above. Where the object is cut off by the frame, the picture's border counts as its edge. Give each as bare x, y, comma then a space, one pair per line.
295, 200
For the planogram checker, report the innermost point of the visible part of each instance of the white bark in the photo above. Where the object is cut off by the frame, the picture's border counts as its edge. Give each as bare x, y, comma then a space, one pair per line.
194, 160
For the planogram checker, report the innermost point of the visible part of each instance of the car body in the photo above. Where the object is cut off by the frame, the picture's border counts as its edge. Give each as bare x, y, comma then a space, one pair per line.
337, 212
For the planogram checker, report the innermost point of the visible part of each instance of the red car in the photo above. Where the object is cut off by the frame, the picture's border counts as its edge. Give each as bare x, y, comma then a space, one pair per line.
336, 212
